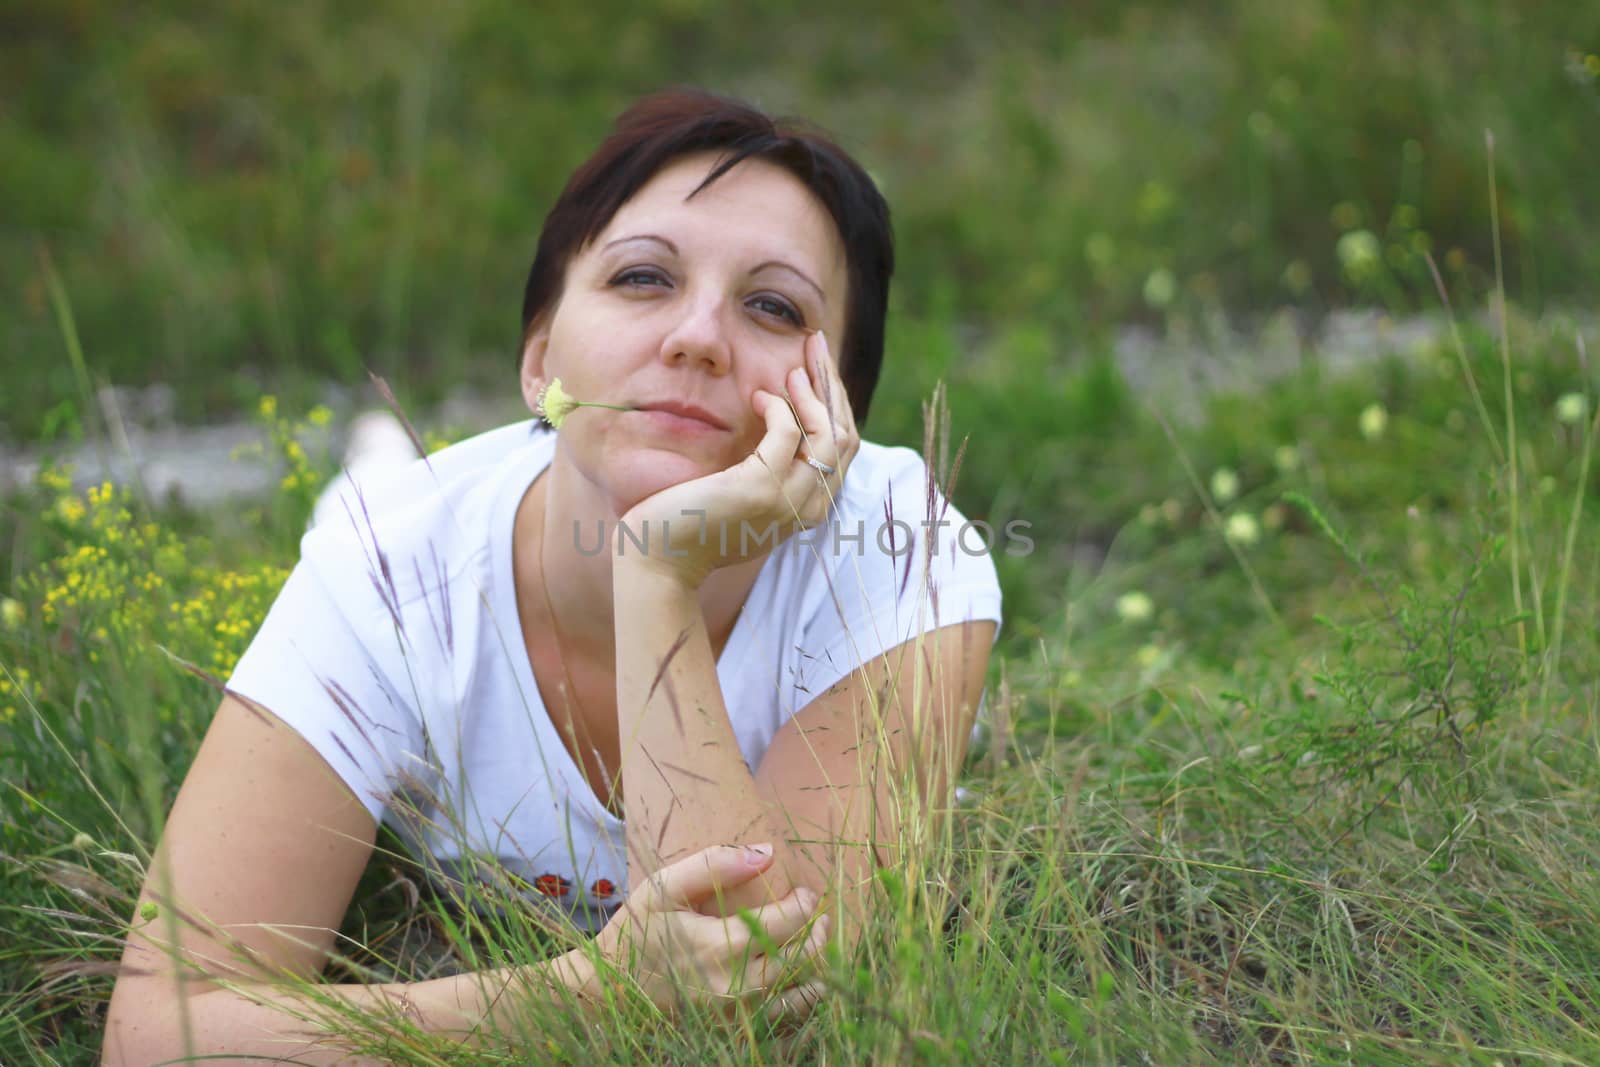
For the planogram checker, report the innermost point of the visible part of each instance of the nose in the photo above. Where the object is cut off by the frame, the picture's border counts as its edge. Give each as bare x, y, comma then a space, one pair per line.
699, 338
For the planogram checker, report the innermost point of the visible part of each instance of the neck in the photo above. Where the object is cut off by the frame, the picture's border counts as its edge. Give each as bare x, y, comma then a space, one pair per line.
557, 539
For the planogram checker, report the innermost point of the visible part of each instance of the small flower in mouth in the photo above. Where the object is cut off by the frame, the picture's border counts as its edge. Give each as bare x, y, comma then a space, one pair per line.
555, 404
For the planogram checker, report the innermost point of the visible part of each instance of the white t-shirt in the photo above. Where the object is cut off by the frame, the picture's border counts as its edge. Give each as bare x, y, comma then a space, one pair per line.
395, 649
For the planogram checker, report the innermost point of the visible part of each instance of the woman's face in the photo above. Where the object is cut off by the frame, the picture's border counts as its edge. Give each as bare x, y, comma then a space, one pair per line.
695, 302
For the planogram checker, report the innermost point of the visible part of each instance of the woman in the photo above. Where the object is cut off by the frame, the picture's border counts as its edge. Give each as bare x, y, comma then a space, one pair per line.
687, 643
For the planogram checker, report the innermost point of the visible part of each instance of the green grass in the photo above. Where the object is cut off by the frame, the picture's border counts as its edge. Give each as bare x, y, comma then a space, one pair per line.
1332, 800
287, 193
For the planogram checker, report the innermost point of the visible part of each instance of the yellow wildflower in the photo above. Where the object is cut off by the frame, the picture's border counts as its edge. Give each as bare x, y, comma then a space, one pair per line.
555, 403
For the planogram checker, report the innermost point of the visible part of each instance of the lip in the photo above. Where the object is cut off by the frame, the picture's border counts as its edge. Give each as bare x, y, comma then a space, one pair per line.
683, 411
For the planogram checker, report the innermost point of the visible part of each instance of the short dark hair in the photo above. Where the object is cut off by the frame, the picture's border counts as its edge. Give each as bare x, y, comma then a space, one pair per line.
676, 122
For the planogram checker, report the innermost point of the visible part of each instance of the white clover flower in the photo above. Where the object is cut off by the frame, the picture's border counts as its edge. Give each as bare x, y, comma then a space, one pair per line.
1360, 252
1571, 408
82, 841
12, 613
1224, 485
1374, 420
1135, 607
1286, 458
1242, 528
1297, 277
1161, 288
1148, 656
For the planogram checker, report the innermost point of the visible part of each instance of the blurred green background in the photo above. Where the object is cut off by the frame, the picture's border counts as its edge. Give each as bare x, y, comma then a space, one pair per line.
274, 195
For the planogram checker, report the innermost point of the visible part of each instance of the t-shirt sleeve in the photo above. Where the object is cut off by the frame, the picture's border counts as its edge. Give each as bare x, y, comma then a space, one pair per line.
911, 566
313, 664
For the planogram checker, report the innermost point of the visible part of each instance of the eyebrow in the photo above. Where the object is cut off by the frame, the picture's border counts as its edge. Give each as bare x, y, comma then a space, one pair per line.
778, 263
792, 270
643, 237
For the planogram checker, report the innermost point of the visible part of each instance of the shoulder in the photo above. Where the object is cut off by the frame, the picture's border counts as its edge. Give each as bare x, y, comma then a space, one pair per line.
895, 533
400, 534
901, 503
879, 471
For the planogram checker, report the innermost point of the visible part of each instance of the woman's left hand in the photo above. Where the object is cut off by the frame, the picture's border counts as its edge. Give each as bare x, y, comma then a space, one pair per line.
736, 514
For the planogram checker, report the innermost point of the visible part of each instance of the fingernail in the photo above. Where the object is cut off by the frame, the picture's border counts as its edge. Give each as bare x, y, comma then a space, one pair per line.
758, 853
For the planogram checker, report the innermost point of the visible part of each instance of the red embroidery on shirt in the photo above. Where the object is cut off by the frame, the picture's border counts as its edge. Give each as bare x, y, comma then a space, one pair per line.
603, 888
552, 885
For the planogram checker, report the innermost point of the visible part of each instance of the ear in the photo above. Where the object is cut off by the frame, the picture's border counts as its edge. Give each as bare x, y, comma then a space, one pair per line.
533, 377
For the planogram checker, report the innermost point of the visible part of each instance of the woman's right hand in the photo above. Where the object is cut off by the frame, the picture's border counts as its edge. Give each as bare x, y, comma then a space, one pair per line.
674, 952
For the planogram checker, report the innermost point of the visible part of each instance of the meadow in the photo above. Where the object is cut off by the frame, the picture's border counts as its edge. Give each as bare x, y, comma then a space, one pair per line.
1300, 769
1291, 749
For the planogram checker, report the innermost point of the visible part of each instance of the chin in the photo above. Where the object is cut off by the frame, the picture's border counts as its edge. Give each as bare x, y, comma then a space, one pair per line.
643, 474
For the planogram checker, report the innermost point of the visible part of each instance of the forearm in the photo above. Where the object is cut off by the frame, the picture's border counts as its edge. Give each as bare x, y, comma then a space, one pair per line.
272, 1024
687, 783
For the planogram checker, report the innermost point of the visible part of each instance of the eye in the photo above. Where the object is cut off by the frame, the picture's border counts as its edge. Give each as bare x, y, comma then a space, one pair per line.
639, 277
778, 308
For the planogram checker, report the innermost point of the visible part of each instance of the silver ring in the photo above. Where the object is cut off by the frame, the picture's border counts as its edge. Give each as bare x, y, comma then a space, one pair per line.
821, 467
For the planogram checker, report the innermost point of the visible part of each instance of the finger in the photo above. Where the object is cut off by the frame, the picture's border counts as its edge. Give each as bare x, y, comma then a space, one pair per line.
775, 969
830, 387
777, 447
708, 872
839, 445
796, 1003
810, 388
833, 392
779, 921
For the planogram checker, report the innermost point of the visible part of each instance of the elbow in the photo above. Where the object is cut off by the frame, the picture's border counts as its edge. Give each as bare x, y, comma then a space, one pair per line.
133, 1032
142, 1023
